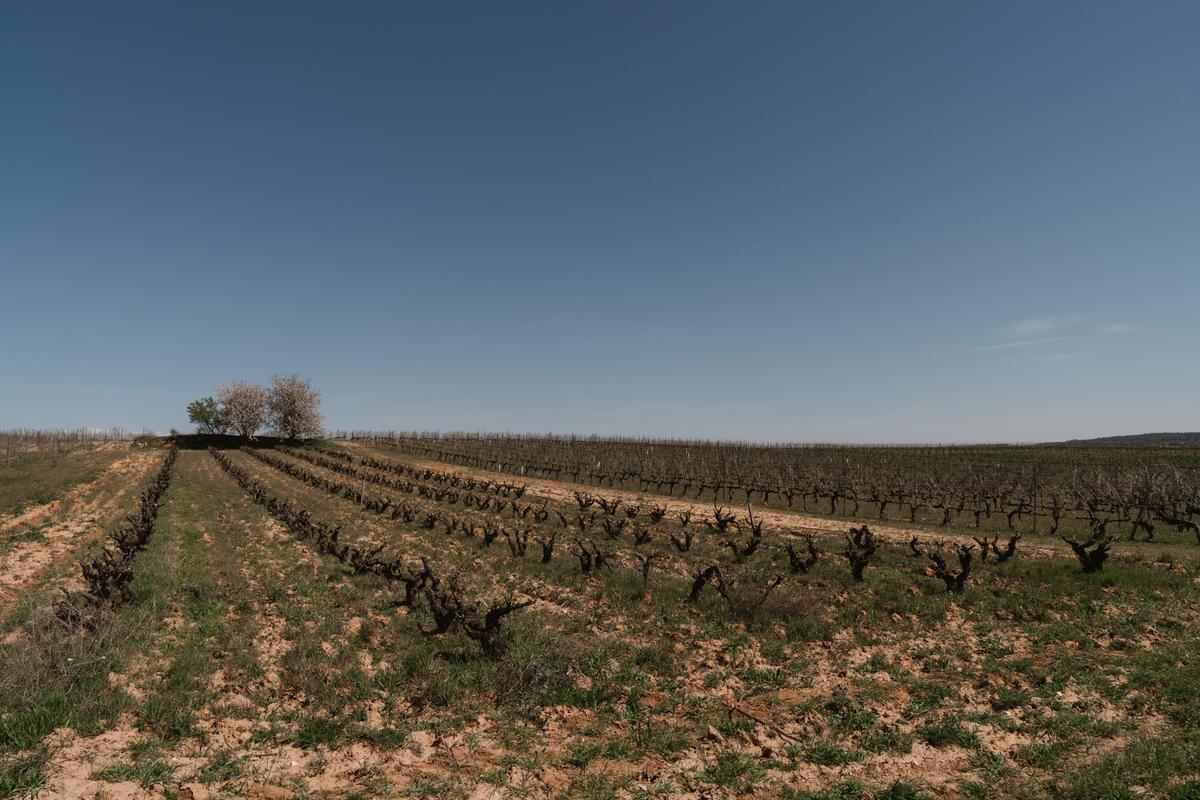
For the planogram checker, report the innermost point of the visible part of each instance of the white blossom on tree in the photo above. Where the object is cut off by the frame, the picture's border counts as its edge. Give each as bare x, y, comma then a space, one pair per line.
295, 407
243, 407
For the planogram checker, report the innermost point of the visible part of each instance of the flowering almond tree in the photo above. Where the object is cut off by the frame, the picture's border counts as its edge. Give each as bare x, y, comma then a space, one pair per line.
243, 407
294, 407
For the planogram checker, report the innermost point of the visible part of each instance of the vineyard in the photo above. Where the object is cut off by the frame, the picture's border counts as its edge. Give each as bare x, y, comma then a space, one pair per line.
1014, 488
407, 615
23, 446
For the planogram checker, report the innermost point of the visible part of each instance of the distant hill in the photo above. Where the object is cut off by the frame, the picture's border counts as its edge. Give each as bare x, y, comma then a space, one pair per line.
1143, 440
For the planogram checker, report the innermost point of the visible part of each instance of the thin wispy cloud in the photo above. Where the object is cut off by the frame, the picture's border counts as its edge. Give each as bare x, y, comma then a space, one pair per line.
1025, 343
1115, 327
1036, 331
1036, 327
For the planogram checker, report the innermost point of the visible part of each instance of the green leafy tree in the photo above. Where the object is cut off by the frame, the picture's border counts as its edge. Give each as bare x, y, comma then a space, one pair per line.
207, 416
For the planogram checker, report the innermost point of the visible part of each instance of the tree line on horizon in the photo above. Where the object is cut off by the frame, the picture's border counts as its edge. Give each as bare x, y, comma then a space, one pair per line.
289, 407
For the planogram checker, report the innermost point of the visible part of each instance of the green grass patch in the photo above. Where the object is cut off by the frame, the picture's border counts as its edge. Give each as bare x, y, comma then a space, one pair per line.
734, 770
947, 732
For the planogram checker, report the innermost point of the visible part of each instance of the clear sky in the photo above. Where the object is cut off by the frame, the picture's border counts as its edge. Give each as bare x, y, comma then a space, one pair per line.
853, 221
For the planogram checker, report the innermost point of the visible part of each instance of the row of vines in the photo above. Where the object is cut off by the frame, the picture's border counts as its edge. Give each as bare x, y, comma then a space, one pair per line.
108, 577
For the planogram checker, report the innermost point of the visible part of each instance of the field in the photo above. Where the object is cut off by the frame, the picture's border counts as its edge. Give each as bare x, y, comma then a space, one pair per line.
390, 615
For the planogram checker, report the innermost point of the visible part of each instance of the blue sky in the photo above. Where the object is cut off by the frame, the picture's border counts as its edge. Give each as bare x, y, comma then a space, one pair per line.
782, 221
